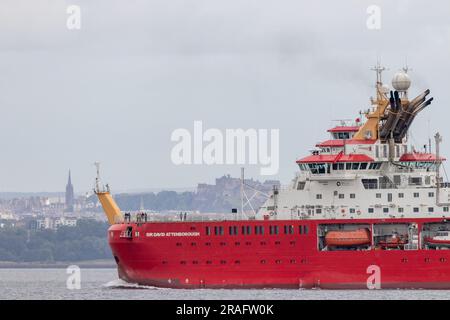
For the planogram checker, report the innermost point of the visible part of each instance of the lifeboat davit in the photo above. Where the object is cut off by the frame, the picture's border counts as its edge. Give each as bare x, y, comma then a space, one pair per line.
348, 238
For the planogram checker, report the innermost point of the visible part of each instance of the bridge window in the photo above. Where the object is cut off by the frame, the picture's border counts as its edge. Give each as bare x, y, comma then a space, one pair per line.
370, 183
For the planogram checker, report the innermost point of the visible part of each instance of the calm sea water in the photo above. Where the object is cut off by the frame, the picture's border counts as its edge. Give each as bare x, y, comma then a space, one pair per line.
104, 284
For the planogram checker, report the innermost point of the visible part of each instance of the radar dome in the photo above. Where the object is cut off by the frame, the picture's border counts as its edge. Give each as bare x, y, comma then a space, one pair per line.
401, 81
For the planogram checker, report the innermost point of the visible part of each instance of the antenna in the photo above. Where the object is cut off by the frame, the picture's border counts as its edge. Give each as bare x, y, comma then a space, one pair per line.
97, 179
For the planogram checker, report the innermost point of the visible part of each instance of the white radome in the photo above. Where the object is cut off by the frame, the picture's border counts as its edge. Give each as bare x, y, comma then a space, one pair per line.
401, 81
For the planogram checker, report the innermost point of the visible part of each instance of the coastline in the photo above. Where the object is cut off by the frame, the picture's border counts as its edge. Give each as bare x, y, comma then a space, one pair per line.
93, 264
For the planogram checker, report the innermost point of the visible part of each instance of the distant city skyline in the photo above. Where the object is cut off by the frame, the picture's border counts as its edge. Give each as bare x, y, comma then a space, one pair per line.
115, 90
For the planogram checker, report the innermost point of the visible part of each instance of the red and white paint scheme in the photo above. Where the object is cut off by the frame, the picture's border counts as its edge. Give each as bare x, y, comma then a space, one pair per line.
366, 210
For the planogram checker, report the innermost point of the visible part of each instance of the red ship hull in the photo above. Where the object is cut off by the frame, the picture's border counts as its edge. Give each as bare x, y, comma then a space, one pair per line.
191, 255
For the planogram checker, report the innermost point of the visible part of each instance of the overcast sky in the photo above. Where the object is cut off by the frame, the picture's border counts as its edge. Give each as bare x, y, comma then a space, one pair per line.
115, 90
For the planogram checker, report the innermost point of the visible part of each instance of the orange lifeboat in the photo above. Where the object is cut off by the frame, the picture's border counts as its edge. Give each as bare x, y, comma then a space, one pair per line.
348, 238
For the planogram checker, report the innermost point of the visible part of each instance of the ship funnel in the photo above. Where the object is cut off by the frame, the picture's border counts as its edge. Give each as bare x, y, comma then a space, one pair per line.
109, 206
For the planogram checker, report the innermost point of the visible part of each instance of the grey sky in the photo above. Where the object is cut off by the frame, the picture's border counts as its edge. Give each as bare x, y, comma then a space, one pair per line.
116, 89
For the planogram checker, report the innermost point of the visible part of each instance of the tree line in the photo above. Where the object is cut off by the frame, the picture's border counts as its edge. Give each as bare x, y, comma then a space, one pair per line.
86, 241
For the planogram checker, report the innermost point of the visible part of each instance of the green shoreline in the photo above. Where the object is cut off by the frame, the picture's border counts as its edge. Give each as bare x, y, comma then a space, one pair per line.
100, 264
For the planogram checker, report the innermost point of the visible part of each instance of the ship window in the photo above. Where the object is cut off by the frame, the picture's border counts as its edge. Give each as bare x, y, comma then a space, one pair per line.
178, 244
427, 180
377, 151
385, 151
389, 197
273, 229
370, 183
277, 243
352, 196
445, 209
386, 210
246, 230
237, 243
318, 196
223, 244
193, 244
363, 166
233, 230
195, 262
277, 261
340, 166
248, 243
208, 231
292, 243
209, 262
431, 194
301, 185
370, 210
416, 194
223, 262
318, 210
292, 261
218, 231
416, 181
263, 243
237, 262
183, 262
355, 166
207, 244
416, 210
341, 196
430, 209
401, 195
335, 166
397, 180
397, 151
400, 210
378, 195
348, 166
288, 229
263, 261
259, 230
352, 210
305, 229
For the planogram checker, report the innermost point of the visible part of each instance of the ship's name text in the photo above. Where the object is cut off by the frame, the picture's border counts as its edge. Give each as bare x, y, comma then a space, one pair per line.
172, 234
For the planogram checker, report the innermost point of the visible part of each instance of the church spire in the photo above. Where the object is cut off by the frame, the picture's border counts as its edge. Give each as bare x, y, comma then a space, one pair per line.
69, 194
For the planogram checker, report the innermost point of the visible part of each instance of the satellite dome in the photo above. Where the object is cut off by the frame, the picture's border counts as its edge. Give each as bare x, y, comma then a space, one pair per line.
401, 81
